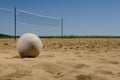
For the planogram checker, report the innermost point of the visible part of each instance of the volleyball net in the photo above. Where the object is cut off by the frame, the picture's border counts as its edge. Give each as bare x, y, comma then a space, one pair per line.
6, 21
32, 22
29, 18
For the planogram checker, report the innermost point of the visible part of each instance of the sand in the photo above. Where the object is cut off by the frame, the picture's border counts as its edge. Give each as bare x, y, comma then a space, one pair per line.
63, 59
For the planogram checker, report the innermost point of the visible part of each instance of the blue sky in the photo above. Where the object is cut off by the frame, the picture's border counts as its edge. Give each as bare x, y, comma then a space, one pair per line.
81, 17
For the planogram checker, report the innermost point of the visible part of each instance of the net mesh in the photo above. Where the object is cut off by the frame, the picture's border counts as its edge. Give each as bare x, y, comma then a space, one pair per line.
28, 18
6, 21
29, 22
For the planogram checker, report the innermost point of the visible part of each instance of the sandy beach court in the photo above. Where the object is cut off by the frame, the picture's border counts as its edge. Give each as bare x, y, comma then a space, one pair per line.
63, 59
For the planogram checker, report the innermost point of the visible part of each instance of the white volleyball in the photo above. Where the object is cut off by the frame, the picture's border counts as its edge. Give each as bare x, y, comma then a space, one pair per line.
29, 45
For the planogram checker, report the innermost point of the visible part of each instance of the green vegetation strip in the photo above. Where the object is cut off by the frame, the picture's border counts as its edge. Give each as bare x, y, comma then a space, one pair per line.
79, 36
71, 36
5, 36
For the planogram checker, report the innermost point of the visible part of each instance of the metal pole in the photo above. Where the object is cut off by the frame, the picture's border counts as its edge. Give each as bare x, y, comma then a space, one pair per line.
62, 27
15, 23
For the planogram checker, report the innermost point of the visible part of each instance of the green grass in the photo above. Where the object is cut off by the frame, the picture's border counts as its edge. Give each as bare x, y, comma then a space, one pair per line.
71, 36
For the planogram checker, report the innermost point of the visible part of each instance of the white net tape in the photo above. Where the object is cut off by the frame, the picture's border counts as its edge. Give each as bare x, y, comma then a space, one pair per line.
6, 9
34, 14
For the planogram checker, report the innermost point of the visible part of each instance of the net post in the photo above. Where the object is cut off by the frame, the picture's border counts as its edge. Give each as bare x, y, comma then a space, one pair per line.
15, 23
62, 27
